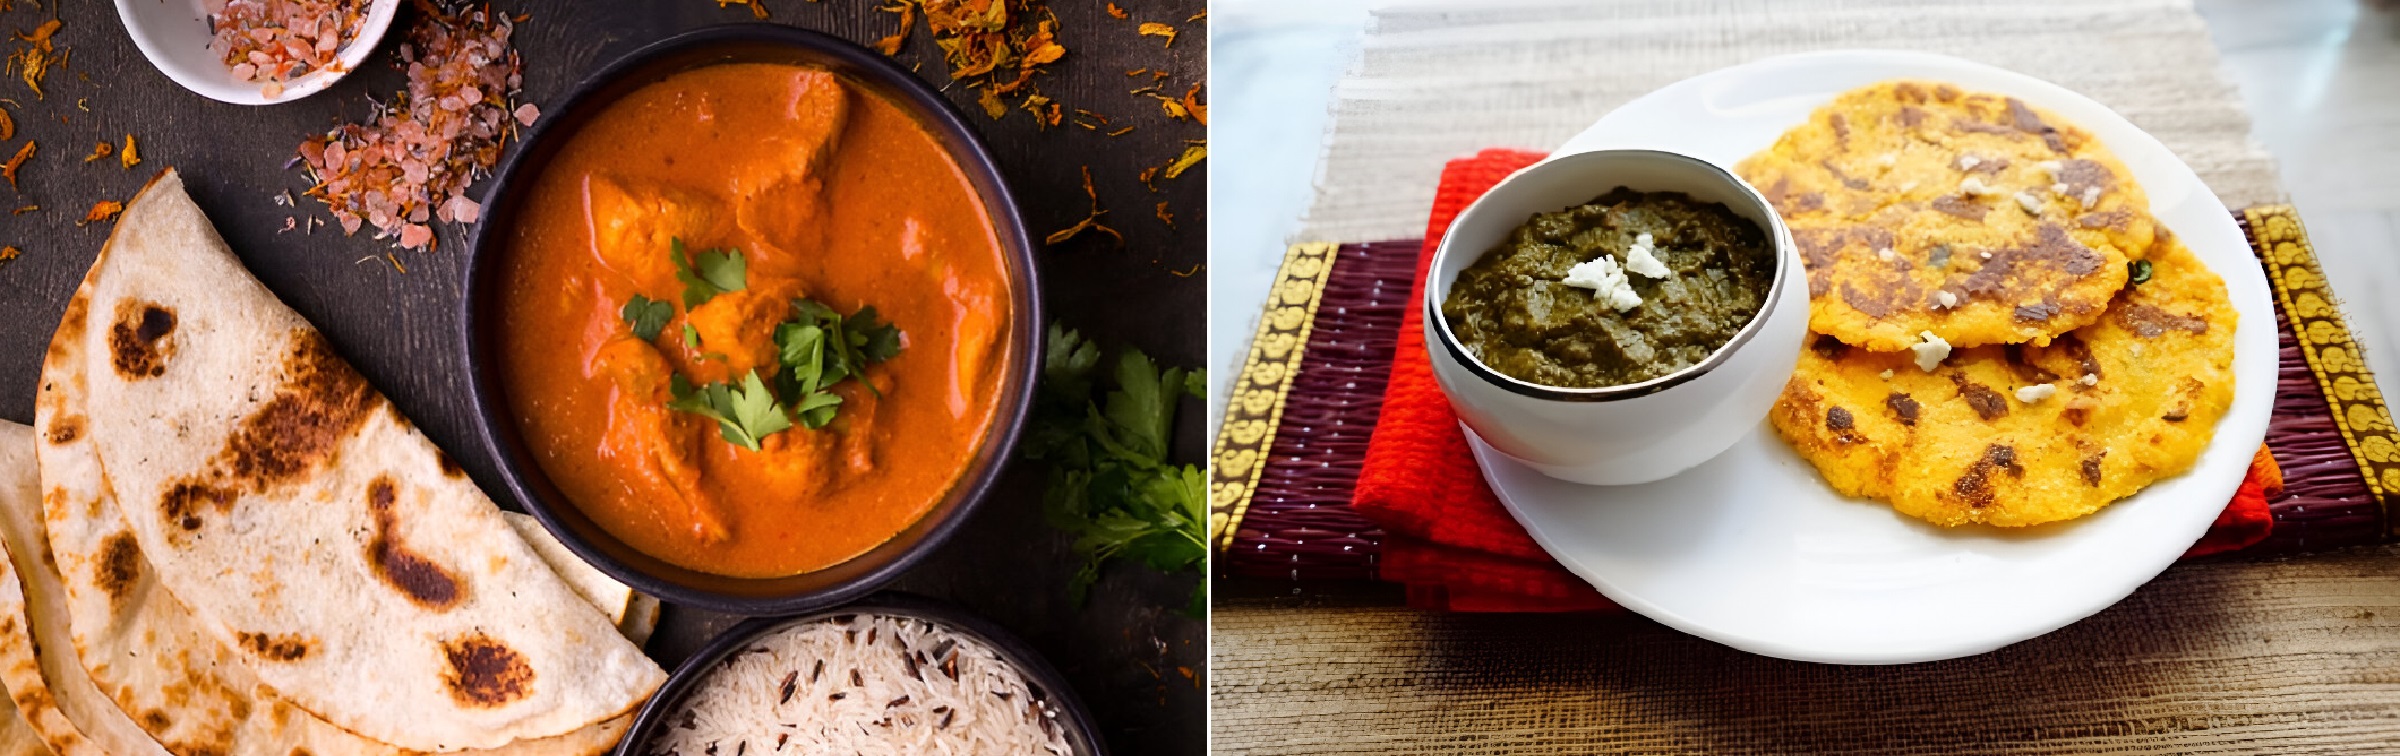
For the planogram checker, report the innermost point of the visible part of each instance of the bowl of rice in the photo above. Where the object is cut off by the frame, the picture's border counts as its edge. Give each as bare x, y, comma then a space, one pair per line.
257, 52
890, 674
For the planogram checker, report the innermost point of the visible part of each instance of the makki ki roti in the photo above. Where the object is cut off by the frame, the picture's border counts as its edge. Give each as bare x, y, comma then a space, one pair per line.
307, 525
827, 191
2133, 398
1920, 207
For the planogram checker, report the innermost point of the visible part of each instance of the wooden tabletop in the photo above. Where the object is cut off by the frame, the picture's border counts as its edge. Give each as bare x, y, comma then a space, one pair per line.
1122, 651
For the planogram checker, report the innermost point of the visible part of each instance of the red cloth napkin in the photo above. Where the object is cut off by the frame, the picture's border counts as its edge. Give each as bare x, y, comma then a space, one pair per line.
1448, 538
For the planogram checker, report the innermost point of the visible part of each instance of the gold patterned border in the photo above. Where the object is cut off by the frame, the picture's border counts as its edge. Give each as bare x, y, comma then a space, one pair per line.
2333, 357
1256, 407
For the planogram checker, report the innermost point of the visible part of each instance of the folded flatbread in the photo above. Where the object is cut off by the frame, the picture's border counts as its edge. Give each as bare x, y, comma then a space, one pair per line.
301, 524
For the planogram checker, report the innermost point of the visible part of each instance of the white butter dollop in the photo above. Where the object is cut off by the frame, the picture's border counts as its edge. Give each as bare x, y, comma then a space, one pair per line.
1974, 187
1642, 258
1607, 282
1931, 351
2089, 379
2035, 392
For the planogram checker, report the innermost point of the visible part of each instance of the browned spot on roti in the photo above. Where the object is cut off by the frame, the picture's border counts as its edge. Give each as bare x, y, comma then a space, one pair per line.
1909, 92
2073, 347
321, 402
186, 501
65, 430
137, 340
1972, 126
275, 647
449, 466
1828, 347
1841, 128
1975, 486
70, 327
1988, 404
1786, 202
1945, 92
2030, 122
1958, 205
2036, 312
2091, 468
1911, 116
1838, 419
2036, 271
156, 721
1992, 166
485, 672
420, 579
1820, 248
1853, 183
2081, 175
2116, 219
120, 564
1904, 408
2179, 414
2150, 322
2025, 370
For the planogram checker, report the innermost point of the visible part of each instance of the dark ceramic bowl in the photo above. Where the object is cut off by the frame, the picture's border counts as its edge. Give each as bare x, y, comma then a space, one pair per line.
1047, 684
523, 478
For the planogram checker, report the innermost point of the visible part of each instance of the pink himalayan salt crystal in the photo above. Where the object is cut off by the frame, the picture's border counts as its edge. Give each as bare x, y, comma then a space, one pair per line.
462, 210
415, 236
526, 113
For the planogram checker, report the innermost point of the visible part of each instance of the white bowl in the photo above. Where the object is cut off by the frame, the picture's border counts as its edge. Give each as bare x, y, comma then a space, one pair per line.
174, 35
1638, 432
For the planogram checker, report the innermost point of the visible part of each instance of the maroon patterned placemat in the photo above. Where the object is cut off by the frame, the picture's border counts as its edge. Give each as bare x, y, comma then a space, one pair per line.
1296, 522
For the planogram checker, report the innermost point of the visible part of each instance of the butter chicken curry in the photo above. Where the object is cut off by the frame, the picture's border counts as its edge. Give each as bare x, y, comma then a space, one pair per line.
754, 319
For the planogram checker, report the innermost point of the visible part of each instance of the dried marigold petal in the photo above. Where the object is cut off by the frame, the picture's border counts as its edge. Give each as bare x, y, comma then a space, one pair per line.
1192, 155
1165, 216
129, 157
8, 126
14, 164
1156, 29
1191, 104
102, 211
99, 151
1115, 12
9, 253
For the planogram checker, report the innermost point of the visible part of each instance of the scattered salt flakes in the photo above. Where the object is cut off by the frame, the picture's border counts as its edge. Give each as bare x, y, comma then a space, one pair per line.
1887, 374
526, 114
2091, 196
2035, 392
1968, 162
2032, 204
415, 235
1944, 299
2089, 379
1931, 351
289, 223
1607, 282
1640, 258
1974, 187
1885, 254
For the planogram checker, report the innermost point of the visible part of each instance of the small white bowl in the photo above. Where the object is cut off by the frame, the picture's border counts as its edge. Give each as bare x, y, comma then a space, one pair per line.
174, 35
1639, 432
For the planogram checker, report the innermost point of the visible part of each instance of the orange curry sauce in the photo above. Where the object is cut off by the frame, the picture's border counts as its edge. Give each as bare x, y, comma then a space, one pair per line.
830, 193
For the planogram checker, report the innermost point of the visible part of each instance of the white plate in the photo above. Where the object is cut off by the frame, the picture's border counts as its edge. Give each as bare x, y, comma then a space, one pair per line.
1753, 550
174, 35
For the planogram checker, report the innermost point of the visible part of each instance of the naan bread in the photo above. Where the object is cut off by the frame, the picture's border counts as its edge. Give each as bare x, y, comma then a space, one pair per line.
49, 687
310, 528
142, 646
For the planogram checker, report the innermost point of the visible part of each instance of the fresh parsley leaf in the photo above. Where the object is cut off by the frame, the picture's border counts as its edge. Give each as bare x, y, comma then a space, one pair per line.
2138, 272
875, 341
1110, 483
820, 348
647, 316
817, 409
708, 274
744, 414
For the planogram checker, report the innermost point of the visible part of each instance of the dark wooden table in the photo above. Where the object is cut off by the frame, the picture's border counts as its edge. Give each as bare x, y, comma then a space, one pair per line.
1125, 652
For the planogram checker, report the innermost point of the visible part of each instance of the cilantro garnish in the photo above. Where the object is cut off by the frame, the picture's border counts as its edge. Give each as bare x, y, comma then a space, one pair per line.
708, 274
820, 347
816, 348
744, 414
1110, 483
2138, 272
647, 316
